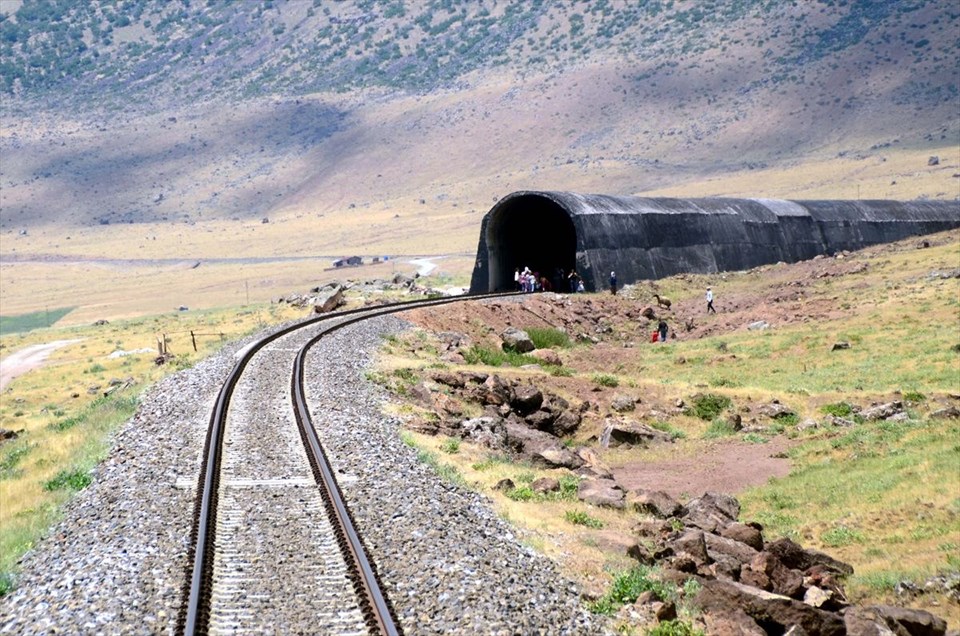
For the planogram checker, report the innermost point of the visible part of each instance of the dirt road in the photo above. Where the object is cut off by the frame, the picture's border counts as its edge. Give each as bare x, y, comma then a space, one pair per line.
26, 359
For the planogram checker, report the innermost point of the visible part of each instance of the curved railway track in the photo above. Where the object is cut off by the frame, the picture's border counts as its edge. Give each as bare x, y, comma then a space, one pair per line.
267, 496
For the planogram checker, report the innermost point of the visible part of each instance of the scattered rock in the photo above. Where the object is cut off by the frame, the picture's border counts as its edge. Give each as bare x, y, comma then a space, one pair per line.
601, 492
840, 345
327, 302
759, 325
545, 485
548, 356
618, 433
882, 411
934, 160
516, 340
655, 502
623, 403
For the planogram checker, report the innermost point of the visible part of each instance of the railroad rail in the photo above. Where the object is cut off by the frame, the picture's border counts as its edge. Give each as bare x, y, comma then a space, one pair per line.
378, 615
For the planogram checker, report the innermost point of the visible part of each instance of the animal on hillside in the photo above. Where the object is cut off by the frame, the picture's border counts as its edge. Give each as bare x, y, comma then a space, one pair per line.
662, 302
648, 313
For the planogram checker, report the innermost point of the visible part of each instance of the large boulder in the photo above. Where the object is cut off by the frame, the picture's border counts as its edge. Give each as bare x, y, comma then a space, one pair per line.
566, 423
630, 433
526, 399
601, 492
776, 612
516, 340
329, 300
881, 620
795, 557
654, 502
494, 391
486, 431
541, 449
712, 512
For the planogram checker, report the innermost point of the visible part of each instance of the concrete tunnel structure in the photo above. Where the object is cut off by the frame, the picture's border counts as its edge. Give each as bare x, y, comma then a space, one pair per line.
650, 238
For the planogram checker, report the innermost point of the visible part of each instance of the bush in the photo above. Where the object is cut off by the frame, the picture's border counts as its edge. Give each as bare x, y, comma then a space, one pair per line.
707, 406
580, 518
521, 493
545, 338
76, 480
676, 627
605, 379
719, 428
451, 445
838, 409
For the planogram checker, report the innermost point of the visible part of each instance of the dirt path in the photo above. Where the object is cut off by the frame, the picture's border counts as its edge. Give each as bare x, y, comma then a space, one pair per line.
727, 467
20, 362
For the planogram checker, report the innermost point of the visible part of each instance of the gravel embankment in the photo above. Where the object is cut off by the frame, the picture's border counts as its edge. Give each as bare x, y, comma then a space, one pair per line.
116, 562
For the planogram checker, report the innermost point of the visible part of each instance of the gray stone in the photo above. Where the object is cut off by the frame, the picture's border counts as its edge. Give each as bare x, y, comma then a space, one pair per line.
882, 411
655, 502
526, 399
516, 340
628, 432
622, 403
601, 492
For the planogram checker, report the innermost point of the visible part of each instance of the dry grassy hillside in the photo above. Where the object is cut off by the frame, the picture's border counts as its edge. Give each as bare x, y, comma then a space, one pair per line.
185, 156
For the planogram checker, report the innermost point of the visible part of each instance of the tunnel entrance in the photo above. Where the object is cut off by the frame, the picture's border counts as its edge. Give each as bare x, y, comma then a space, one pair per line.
530, 231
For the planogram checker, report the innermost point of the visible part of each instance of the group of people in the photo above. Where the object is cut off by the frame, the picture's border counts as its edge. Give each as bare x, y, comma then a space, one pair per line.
527, 281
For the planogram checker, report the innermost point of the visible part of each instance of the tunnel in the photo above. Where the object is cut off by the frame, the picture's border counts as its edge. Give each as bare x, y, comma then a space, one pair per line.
530, 231
650, 238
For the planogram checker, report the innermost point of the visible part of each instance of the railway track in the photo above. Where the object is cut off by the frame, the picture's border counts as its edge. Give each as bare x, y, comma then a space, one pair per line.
274, 546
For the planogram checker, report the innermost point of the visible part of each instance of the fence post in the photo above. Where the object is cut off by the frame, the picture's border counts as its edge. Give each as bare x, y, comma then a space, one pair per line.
194, 338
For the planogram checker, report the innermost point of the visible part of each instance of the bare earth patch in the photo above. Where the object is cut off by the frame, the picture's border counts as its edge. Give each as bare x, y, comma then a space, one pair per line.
727, 466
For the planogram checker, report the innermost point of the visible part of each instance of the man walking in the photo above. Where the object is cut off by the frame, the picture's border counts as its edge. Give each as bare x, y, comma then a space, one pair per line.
710, 301
613, 283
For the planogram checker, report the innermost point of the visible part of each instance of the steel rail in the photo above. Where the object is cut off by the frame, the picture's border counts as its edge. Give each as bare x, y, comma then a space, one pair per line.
195, 613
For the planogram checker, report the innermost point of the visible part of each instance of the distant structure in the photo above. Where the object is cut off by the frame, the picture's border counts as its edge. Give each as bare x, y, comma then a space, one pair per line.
650, 238
350, 261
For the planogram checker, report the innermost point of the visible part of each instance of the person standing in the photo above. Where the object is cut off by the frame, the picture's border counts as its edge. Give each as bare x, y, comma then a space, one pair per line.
710, 301
613, 283
516, 279
662, 328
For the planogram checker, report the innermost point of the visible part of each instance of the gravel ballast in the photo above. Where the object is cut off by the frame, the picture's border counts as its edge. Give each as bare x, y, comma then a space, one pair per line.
116, 562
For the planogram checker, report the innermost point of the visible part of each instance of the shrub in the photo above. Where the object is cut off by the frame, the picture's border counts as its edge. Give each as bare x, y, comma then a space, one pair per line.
707, 406
521, 493
451, 445
719, 428
675, 627
914, 396
581, 518
66, 480
6, 583
545, 338
605, 379
838, 409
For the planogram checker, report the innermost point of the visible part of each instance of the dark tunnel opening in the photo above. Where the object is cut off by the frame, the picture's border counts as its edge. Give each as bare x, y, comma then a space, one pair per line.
531, 231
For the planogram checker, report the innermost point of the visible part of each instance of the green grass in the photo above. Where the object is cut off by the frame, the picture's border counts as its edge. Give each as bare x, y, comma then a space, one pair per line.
605, 379
628, 585
875, 485
581, 518
719, 428
548, 337
69, 480
450, 445
707, 406
478, 354
35, 320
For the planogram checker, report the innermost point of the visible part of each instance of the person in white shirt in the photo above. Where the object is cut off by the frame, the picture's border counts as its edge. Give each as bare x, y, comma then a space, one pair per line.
710, 301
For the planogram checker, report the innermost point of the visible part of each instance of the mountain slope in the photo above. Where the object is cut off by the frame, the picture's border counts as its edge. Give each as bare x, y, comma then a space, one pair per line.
192, 112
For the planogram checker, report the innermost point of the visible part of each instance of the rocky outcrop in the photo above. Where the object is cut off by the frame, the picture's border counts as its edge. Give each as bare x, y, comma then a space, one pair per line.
748, 585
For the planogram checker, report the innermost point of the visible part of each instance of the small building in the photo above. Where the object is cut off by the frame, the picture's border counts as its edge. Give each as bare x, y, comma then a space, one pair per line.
350, 261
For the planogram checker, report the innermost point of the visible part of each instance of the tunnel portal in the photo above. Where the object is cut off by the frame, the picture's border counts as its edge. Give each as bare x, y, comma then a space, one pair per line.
650, 238
530, 231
